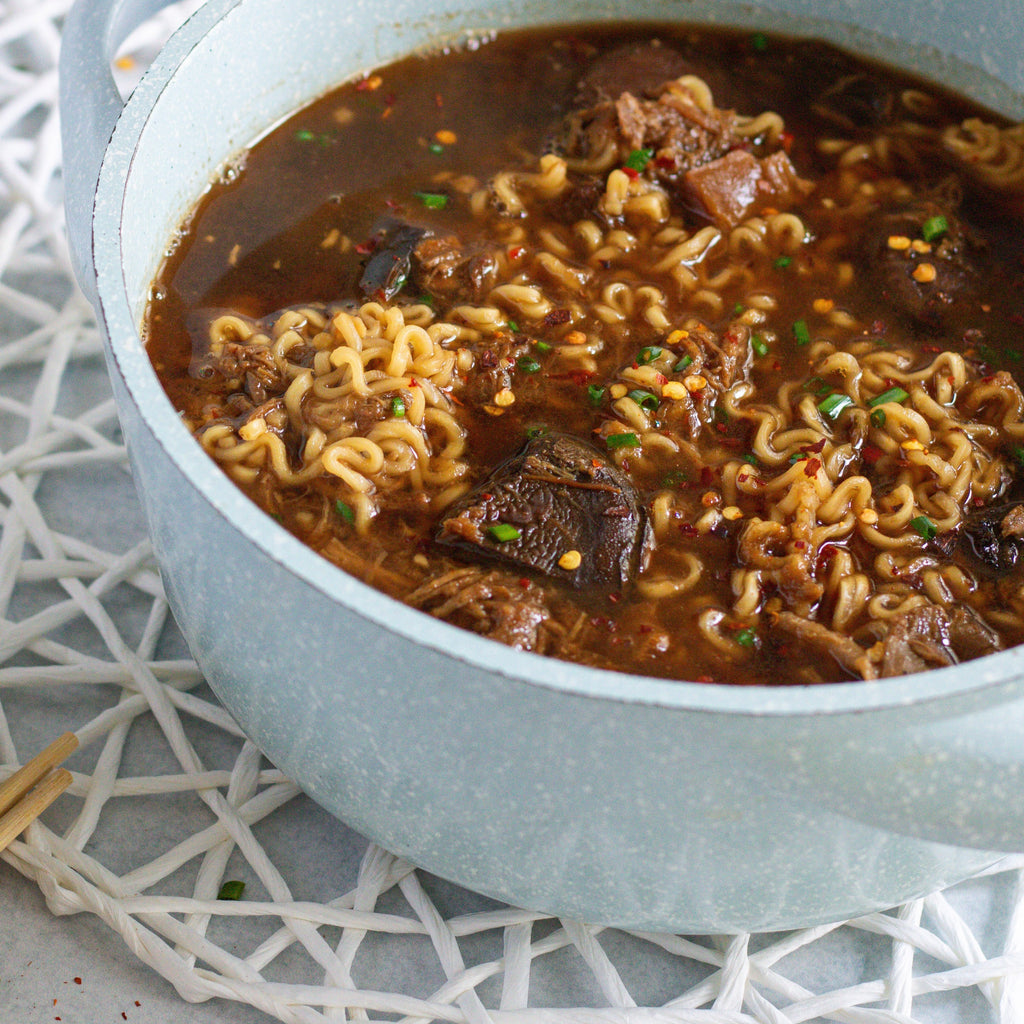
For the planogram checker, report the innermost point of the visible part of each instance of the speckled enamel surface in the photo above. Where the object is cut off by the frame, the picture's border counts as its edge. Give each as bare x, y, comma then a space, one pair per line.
601, 796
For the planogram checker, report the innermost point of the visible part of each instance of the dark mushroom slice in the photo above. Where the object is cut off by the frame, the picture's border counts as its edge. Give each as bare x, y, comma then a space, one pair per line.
558, 508
992, 539
388, 267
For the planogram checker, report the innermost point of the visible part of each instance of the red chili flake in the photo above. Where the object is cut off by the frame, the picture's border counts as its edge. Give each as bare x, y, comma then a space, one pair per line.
438, 100
364, 248
413, 383
516, 252
871, 453
630, 173
787, 141
666, 160
688, 529
77, 981
799, 544
614, 598
931, 348
524, 583
814, 449
812, 466
578, 377
137, 1003
486, 496
707, 475
124, 1015
743, 477
705, 679
644, 628
661, 378
721, 428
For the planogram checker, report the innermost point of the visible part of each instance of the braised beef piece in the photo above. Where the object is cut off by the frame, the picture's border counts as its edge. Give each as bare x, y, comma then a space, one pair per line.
992, 539
495, 367
558, 495
737, 185
930, 636
932, 283
446, 266
491, 603
637, 67
827, 644
388, 267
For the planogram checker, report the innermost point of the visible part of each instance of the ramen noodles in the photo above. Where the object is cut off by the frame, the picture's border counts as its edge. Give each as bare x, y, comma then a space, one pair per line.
679, 351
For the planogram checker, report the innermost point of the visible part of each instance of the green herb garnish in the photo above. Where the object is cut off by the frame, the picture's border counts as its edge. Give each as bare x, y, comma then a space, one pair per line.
542, 346
924, 527
622, 441
673, 478
639, 159
595, 394
934, 228
535, 432
345, 511
503, 532
432, 200
878, 418
892, 395
648, 354
231, 890
833, 405
759, 345
436, 148
746, 638
782, 262
759, 42
527, 365
682, 364
645, 399
801, 333
397, 406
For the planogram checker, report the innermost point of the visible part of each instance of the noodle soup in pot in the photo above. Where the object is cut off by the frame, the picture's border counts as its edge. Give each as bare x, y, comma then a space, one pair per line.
685, 352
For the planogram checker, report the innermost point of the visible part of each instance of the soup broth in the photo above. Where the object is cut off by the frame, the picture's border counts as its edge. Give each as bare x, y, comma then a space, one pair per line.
679, 351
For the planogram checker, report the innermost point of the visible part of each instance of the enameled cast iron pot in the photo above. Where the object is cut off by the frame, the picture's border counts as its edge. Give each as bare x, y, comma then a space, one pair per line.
607, 797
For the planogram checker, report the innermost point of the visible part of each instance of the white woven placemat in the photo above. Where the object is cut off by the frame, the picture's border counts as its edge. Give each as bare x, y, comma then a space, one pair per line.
169, 800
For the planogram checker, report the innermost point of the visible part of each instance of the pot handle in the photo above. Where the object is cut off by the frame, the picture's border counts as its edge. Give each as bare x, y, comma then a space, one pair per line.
90, 105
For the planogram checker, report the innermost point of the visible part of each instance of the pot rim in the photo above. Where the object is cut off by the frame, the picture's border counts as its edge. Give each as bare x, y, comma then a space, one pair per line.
983, 676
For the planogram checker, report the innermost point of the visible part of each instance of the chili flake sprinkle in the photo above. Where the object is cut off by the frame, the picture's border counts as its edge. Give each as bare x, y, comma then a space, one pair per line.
570, 560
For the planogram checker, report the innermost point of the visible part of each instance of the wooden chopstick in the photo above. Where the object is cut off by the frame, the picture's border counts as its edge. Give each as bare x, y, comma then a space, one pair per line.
32, 788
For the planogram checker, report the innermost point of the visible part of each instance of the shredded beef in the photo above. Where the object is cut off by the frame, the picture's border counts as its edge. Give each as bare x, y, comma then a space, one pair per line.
929, 636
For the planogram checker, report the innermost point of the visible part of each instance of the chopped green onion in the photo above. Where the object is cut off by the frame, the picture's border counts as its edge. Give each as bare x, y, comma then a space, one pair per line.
305, 135
231, 890
397, 406
783, 261
798, 457
738, 308
503, 532
513, 326
934, 227
645, 399
432, 200
542, 346
535, 432
833, 405
595, 394
878, 418
648, 354
622, 441
759, 42
527, 365
673, 478
1018, 453
682, 364
426, 300
639, 159
436, 148
345, 511
819, 386
801, 333
892, 395
746, 638
750, 458
924, 526
759, 345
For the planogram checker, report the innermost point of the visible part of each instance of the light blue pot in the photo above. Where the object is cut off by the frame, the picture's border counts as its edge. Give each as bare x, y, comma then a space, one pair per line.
607, 797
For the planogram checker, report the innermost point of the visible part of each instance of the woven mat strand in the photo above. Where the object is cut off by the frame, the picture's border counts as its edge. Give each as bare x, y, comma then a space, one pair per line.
86, 641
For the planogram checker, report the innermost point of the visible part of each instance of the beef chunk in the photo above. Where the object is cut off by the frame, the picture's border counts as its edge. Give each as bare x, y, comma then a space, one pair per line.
929, 636
445, 266
934, 298
730, 189
388, 267
558, 495
495, 366
637, 67
829, 644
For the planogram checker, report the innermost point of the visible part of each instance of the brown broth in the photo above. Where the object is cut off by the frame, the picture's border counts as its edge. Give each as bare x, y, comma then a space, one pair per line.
256, 244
